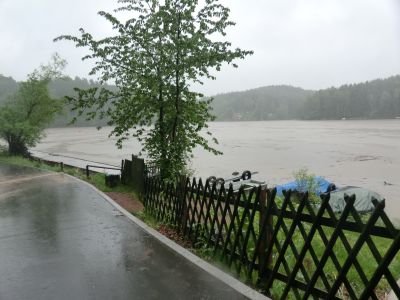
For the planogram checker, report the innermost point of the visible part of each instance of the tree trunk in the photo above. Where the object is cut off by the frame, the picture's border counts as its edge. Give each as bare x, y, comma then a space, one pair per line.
164, 161
177, 80
17, 147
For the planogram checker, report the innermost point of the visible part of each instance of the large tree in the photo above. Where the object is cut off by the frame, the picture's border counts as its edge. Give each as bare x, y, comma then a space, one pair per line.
156, 55
30, 109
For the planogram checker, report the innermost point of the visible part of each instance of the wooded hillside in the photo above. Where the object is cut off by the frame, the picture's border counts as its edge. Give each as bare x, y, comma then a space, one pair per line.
370, 100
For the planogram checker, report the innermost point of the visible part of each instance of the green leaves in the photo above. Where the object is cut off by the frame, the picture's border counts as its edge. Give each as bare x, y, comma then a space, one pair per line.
27, 113
154, 58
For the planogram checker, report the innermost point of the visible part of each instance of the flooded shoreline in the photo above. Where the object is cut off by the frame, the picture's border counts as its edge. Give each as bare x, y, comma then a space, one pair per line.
357, 153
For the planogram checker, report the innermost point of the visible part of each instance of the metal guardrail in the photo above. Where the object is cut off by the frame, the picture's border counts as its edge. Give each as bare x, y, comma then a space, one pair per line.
99, 167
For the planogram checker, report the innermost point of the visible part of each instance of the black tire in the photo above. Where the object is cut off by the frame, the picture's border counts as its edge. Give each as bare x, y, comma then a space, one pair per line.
212, 179
246, 175
221, 181
331, 188
237, 176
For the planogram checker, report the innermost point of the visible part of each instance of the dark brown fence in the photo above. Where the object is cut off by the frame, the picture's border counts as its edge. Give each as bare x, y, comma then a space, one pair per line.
290, 247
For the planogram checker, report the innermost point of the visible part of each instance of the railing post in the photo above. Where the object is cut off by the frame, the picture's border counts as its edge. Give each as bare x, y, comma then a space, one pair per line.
123, 179
265, 233
87, 171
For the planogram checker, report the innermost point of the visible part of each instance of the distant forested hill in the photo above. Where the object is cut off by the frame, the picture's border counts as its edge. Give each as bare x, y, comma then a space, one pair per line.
265, 103
65, 87
374, 99
370, 100
7, 87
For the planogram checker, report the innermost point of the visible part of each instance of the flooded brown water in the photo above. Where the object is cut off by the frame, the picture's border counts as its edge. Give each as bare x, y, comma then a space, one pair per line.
359, 153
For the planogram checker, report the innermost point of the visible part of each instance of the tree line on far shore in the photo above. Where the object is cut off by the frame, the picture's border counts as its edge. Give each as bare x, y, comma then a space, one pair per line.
377, 99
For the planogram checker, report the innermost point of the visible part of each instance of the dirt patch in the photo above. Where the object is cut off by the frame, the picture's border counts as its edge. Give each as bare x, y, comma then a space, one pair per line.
173, 235
126, 201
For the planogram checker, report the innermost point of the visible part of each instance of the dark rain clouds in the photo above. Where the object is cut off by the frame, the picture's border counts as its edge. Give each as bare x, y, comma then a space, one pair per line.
308, 43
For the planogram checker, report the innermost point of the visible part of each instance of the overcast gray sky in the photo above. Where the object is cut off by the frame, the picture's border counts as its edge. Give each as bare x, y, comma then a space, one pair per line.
308, 43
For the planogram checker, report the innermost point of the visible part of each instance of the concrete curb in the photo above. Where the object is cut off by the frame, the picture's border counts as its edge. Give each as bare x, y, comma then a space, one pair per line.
214, 271
392, 295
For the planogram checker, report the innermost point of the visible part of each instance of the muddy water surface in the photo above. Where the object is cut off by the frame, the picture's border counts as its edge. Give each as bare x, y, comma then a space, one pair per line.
359, 153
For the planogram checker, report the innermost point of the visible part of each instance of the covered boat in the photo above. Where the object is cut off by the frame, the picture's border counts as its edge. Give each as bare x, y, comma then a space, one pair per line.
363, 201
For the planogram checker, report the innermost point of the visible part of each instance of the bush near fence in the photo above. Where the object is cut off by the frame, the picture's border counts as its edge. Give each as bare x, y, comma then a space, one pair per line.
287, 247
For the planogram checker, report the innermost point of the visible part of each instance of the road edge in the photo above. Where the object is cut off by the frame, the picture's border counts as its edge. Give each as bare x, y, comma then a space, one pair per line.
212, 270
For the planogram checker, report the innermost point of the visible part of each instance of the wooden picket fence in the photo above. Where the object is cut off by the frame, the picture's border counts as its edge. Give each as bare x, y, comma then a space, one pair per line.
288, 247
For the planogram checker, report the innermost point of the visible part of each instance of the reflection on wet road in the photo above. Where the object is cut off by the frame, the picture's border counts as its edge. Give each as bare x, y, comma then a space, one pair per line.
61, 240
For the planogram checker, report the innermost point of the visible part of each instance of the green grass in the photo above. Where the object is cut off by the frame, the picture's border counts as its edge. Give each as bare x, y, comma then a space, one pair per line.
364, 257
96, 179
24, 162
149, 219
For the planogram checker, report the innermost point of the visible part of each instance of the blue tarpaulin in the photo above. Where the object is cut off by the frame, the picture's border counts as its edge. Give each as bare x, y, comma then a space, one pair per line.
322, 183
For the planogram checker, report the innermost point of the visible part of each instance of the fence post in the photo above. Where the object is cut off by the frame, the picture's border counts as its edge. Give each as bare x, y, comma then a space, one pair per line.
181, 198
62, 166
138, 173
87, 171
123, 177
266, 234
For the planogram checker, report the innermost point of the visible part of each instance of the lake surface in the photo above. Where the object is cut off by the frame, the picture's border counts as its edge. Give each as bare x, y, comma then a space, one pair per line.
358, 153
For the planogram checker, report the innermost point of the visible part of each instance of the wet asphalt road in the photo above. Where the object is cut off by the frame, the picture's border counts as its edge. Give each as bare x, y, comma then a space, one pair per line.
61, 240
